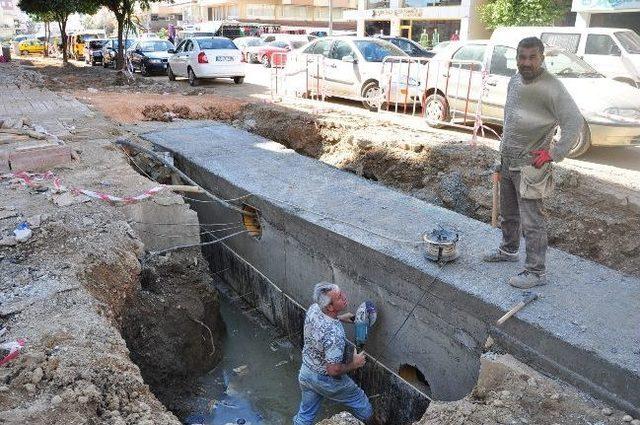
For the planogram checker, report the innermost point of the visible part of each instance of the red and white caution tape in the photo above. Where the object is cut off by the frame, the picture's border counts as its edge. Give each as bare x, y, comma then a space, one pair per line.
14, 348
31, 179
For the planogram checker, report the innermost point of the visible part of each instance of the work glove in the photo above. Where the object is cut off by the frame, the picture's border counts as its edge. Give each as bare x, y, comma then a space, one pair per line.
541, 157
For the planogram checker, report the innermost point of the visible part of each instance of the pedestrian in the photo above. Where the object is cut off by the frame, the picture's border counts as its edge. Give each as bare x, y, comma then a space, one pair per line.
455, 36
323, 373
536, 104
171, 31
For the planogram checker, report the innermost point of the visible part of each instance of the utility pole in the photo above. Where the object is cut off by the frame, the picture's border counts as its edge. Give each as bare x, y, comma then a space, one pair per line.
330, 17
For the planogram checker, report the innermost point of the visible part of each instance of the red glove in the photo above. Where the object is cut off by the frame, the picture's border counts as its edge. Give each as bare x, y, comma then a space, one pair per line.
541, 157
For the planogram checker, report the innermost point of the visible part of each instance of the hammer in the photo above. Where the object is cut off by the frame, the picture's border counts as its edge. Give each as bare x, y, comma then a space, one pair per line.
526, 299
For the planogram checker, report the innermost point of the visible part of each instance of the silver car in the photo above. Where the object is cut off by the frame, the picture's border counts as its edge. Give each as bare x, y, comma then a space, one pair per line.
611, 109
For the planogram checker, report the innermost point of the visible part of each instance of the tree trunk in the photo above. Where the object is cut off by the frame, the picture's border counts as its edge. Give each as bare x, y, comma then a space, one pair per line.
62, 24
47, 31
119, 55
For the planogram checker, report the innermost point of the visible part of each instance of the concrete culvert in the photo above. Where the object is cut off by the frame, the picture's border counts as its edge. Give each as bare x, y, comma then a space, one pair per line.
414, 376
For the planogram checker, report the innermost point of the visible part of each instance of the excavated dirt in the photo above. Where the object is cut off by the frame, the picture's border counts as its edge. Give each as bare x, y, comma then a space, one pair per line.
87, 300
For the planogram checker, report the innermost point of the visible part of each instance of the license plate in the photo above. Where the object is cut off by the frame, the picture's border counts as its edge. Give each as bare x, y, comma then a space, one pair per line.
224, 58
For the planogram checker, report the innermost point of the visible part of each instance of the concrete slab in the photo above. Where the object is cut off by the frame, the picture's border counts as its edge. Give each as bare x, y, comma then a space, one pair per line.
585, 328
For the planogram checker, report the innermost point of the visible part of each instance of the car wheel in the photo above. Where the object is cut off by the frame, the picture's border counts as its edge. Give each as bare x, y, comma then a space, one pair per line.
172, 76
104, 63
143, 70
266, 61
583, 143
193, 80
436, 110
371, 95
238, 80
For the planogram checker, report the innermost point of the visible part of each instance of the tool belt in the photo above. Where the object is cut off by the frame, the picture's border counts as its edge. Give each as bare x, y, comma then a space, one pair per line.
535, 183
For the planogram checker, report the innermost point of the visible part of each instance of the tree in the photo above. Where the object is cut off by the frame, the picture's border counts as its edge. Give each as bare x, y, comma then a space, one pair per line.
124, 11
46, 19
59, 10
509, 13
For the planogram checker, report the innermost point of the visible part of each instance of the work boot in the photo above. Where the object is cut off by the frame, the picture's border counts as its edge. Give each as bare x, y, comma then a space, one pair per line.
499, 255
526, 280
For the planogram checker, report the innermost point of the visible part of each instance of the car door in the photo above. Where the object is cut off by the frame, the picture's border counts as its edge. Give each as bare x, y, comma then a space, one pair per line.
602, 52
341, 70
131, 53
502, 67
464, 85
176, 61
187, 56
317, 54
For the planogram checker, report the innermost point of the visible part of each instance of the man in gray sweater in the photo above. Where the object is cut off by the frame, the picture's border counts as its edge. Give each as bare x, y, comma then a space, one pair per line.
536, 103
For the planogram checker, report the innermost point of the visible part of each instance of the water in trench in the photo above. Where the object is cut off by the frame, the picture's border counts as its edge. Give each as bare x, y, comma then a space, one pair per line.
256, 381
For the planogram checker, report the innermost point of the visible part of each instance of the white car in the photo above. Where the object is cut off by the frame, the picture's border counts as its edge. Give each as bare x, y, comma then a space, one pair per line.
611, 108
206, 57
249, 46
352, 68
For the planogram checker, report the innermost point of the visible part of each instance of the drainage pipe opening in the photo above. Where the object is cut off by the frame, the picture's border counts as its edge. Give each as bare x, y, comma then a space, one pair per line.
413, 375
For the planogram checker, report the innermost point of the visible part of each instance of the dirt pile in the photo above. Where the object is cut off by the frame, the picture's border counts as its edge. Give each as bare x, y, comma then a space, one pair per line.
172, 325
166, 113
75, 287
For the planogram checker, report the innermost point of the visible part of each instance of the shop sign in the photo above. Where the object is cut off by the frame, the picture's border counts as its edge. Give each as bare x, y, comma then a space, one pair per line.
406, 12
604, 5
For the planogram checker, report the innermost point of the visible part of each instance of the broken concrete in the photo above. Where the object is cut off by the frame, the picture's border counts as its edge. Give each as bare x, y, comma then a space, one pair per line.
322, 223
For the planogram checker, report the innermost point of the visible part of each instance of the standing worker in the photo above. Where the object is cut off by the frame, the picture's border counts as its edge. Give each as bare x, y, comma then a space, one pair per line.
536, 103
322, 374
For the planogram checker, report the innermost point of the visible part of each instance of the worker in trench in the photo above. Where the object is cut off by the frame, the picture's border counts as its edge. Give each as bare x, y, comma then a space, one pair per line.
536, 103
323, 373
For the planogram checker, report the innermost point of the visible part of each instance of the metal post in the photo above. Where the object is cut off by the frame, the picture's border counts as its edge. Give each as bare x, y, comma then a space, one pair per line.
330, 17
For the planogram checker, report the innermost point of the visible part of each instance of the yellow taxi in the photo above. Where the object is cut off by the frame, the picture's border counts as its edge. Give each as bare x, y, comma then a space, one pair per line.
31, 46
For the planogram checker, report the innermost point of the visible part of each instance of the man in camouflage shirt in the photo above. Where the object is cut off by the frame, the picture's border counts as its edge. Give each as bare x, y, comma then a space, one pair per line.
537, 102
322, 374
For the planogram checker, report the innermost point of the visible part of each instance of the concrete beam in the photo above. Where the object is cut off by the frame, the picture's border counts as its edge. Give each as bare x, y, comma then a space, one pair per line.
320, 223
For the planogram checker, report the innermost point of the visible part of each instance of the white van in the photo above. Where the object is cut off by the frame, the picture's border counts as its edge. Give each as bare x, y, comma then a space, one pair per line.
614, 52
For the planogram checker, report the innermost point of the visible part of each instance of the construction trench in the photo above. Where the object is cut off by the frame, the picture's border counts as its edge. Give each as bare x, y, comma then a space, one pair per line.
116, 335
319, 223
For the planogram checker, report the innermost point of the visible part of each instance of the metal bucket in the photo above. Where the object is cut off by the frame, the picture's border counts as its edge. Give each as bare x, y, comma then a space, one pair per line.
441, 245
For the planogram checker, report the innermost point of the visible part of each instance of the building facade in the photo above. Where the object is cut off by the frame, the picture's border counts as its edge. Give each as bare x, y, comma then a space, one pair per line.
425, 21
9, 18
298, 13
607, 13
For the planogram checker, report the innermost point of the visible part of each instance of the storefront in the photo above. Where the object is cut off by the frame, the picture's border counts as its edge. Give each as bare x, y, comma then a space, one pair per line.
426, 22
607, 13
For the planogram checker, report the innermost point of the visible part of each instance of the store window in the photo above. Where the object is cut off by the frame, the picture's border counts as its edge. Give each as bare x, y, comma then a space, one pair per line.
428, 33
503, 61
601, 44
427, 3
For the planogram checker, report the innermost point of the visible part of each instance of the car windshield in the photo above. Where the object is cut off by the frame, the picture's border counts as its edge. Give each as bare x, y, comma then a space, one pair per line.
564, 64
97, 44
255, 42
155, 46
215, 43
298, 44
127, 43
377, 50
630, 41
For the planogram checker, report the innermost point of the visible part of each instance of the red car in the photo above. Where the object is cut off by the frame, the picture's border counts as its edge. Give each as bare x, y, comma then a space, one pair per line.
275, 53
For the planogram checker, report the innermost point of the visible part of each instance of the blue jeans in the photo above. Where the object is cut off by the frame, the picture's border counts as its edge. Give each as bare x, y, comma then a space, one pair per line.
342, 389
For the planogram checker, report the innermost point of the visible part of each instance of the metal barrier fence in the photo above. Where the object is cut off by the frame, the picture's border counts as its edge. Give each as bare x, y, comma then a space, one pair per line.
442, 92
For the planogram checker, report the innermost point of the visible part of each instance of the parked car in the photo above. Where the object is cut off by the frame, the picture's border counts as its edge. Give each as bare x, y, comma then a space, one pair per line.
211, 57
31, 45
408, 46
93, 51
249, 46
274, 53
150, 55
353, 69
110, 50
614, 52
611, 109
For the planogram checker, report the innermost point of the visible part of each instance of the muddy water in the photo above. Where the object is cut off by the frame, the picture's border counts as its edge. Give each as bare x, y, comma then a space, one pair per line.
256, 381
